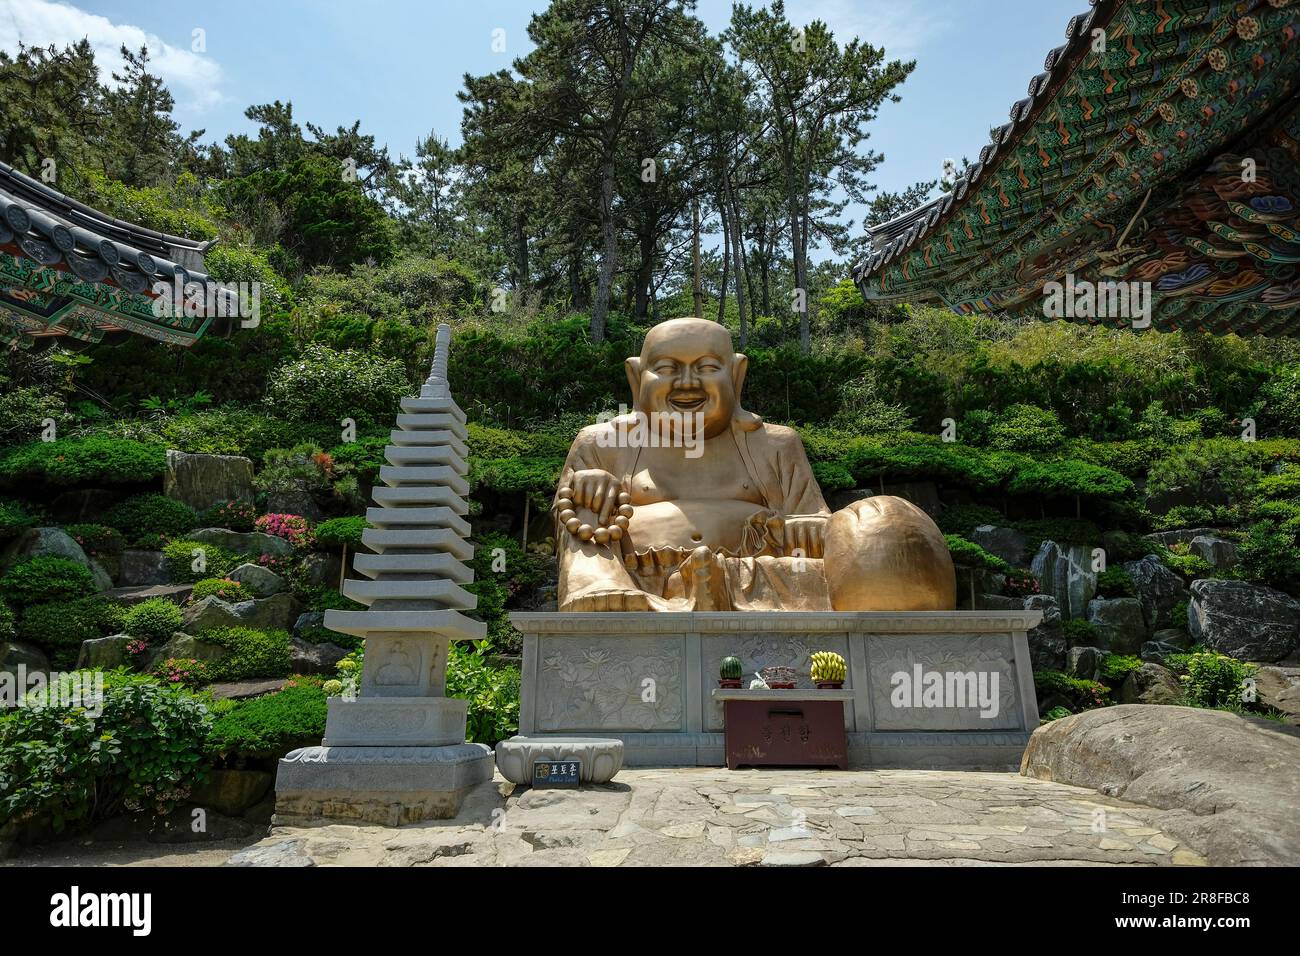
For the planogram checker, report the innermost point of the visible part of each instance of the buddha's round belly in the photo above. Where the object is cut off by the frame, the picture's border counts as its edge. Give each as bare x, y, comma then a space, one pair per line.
689, 523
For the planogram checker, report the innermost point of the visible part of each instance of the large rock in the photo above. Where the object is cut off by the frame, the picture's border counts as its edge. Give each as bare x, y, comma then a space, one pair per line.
1047, 644
1229, 782
1119, 623
53, 542
1085, 662
277, 612
14, 653
322, 567
1007, 543
1247, 621
1167, 539
263, 582
1159, 590
231, 792
294, 502
104, 653
1151, 684
202, 481
309, 658
137, 568
243, 542
1279, 688
1218, 552
187, 647
1066, 574
176, 593
309, 619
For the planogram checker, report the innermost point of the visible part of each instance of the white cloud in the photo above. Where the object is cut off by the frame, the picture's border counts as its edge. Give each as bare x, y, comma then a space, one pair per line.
902, 27
193, 78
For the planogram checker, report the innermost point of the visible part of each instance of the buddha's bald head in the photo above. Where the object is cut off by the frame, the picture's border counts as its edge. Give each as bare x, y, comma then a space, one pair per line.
689, 366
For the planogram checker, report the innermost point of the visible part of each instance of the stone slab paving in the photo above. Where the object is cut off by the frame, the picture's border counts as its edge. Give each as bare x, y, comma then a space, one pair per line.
714, 817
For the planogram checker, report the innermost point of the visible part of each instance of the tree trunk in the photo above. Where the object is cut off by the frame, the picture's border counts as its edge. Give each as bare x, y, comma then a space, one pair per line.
726, 260
608, 254
738, 256
645, 275
800, 268
697, 290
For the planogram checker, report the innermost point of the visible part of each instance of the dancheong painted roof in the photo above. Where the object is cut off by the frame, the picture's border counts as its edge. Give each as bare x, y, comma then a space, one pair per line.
70, 272
1167, 154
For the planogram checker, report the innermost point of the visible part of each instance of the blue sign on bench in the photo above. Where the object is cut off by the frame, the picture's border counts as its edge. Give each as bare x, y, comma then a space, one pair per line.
556, 773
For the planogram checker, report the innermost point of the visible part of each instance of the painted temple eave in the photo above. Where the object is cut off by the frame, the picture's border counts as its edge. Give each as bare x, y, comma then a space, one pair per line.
1142, 141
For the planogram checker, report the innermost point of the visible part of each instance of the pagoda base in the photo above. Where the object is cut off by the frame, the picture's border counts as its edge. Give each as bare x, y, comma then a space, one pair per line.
395, 722
385, 786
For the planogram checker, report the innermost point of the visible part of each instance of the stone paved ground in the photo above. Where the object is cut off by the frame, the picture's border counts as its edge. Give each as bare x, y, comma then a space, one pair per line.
709, 816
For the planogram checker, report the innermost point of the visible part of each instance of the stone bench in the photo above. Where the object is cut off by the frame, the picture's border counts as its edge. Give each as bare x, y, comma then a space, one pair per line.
599, 758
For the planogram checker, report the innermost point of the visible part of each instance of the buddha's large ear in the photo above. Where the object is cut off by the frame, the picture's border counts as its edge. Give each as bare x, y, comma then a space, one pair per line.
738, 369
633, 368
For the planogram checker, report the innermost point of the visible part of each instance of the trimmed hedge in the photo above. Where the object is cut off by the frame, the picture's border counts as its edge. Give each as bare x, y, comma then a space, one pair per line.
72, 461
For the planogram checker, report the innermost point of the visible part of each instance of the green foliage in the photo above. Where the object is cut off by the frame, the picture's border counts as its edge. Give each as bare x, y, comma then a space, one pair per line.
15, 518
1115, 583
45, 578
492, 692
1079, 693
95, 459
968, 554
1069, 478
963, 519
1178, 615
180, 558
182, 671
223, 588
59, 627
170, 209
96, 539
147, 520
1269, 554
832, 476
1213, 472
322, 385
1026, 428
499, 591
255, 653
1210, 679
144, 752
8, 629
23, 412
1079, 632
153, 620
238, 430
272, 725
227, 263
1060, 530
235, 515
1056, 713
534, 476
1179, 559
340, 532
1116, 667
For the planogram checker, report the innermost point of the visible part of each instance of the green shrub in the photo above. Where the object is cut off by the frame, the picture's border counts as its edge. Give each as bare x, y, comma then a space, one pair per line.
832, 476
1180, 560
501, 591
1056, 713
15, 518
272, 725
1026, 428
153, 620
1214, 471
97, 458
963, 519
968, 554
255, 653
315, 386
492, 692
235, 515
341, 532
1069, 479
1060, 530
45, 578
183, 671
1115, 583
180, 557
223, 588
8, 630
146, 520
144, 752
96, 539
1269, 554
1116, 667
23, 411
1080, 694
1178, 615
1210, 679
1079, 632
61, 626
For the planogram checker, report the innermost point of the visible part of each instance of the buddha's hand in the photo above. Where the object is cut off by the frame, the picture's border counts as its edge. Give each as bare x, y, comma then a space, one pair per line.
801, 536
596, 490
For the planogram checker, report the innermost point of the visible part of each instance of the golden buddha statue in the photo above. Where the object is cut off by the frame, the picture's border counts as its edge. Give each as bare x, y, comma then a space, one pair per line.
690, 502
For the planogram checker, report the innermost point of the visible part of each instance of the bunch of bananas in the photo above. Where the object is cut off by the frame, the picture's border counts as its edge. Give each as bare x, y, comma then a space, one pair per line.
827, 666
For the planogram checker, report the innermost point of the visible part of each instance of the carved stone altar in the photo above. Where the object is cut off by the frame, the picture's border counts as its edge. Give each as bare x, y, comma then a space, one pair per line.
647, 678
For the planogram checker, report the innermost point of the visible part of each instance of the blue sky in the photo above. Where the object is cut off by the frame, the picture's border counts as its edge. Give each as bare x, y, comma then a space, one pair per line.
397, 64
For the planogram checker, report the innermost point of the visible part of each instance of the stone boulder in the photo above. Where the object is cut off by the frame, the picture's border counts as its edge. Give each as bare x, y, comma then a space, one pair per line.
1219, 553
293, 502
1279, 688
1007, 543
309, 658
1247, 621
321, 567
104, 653
1151, 684
15, 653
1159, 590
1167, 539
1170, 640
1229, 783
202, 481
53, 542
1047, 643
187, 647
998, 602
1085, 662
277, 612
263, 582
308, 619
253, 543
176, 593
231, 792
138, 567
1118, 622
1065, 572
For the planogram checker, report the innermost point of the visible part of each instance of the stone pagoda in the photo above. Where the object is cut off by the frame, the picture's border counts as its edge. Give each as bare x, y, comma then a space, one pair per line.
395, 752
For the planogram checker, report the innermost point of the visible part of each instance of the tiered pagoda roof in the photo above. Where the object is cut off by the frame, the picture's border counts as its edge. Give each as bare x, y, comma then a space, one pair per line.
73, 274
1170, 157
